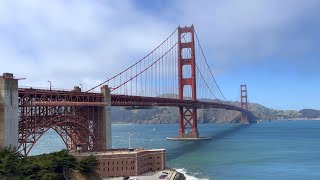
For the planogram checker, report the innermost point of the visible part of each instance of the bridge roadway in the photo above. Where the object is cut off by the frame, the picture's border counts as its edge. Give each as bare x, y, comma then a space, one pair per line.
44, 97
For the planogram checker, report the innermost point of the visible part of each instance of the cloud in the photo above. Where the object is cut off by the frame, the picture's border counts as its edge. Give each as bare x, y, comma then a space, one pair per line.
238, 31
72, 42
83, 41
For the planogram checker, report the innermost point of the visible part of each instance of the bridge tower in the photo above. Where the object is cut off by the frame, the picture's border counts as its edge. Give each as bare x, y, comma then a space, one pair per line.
8, 110
244, 103
187, 115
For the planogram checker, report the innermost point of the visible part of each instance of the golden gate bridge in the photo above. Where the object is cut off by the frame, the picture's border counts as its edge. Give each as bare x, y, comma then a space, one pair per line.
176, 73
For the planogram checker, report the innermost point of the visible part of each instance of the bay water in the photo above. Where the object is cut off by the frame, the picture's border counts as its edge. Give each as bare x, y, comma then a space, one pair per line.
266, 150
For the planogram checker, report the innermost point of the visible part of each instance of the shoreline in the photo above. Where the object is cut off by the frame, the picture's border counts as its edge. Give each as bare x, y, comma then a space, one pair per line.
262, 120
297, 119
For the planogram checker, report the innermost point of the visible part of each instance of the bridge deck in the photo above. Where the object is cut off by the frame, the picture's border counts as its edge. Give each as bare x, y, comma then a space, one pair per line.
43, 97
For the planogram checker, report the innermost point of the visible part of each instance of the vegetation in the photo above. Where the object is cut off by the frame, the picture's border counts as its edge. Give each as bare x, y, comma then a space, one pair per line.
89, 163
46, 166
10, 161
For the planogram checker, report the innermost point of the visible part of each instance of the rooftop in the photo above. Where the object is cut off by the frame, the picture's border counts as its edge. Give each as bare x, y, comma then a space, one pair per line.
116, 151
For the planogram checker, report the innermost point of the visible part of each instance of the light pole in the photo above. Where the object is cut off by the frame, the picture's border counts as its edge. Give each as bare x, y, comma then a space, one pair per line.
130, 134
50, 84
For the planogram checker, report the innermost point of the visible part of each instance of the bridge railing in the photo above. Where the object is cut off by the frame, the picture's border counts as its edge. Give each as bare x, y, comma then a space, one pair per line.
52, 89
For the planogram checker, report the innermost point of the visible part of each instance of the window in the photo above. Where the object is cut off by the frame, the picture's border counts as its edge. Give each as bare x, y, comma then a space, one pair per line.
158, 163
158, 157
108, 169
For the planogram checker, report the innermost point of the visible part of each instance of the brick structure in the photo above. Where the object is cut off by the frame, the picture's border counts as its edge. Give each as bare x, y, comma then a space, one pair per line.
127, 162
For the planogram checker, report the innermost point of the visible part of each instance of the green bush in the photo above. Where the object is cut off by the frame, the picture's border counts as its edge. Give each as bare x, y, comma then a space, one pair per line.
89, 163
10, 160
46, 166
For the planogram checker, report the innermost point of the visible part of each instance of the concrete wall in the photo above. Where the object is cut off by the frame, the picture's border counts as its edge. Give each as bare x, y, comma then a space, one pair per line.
9, 110
105, 90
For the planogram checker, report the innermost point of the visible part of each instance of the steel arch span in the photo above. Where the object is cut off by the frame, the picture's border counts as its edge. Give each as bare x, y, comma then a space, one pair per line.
82, 125
72, 131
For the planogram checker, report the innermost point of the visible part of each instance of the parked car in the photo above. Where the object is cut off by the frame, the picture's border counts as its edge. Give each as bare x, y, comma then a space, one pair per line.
163, 176
165, 172
126, 177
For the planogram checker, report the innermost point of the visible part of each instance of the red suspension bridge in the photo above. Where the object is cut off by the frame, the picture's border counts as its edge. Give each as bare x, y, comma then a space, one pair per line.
176, 73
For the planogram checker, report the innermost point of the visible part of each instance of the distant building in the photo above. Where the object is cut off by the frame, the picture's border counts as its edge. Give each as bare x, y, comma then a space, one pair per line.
127, 162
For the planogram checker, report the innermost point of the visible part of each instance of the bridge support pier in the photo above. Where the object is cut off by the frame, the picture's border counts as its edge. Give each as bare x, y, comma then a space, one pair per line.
188, 117
9, 110
105, 90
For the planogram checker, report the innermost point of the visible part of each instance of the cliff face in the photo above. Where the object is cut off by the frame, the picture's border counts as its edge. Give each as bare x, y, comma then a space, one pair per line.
163, 115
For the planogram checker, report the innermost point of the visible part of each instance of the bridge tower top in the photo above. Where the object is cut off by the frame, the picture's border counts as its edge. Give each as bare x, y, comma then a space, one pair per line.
187, 59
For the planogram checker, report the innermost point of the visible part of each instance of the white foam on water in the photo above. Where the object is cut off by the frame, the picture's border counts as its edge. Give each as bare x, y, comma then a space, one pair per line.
189, 177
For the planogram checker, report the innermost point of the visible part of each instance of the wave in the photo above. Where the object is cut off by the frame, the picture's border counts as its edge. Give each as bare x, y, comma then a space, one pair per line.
189, 177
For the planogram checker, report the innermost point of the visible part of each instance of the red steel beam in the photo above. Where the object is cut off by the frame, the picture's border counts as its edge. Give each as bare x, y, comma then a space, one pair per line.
63, 103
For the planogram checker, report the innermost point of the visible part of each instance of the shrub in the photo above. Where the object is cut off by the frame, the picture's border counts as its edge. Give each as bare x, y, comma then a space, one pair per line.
10, 160
89, 163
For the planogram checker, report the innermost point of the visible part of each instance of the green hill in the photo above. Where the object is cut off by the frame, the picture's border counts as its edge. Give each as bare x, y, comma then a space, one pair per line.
163, 115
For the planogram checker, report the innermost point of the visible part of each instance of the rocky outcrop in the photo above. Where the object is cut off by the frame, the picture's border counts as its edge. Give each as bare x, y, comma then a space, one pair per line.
179, 176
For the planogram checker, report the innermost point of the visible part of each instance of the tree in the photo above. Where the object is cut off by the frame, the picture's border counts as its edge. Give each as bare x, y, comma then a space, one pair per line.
89, 163
10, 160
48, 166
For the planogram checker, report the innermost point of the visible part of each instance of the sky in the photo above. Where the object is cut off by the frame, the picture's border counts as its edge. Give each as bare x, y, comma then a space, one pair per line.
272, 46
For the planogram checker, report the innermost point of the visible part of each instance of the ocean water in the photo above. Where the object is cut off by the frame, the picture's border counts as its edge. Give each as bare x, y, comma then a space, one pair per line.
267, 150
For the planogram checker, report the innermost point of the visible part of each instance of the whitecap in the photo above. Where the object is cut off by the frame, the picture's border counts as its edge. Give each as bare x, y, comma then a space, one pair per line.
189, 177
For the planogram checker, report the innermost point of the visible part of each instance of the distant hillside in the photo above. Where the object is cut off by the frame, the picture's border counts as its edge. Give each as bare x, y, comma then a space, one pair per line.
164, 115
309, 113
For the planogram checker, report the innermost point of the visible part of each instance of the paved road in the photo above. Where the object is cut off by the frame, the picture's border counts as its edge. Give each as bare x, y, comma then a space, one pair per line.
150, 176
